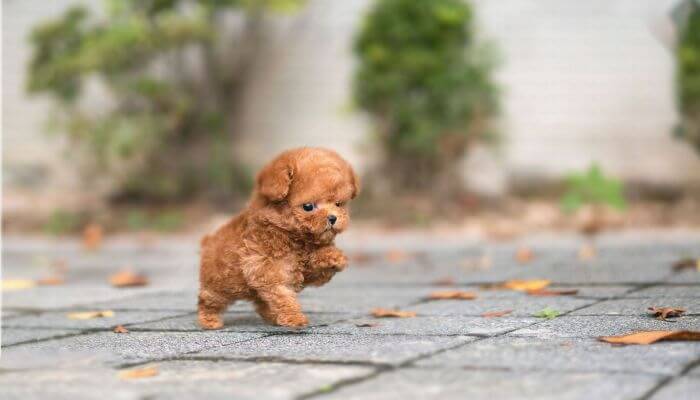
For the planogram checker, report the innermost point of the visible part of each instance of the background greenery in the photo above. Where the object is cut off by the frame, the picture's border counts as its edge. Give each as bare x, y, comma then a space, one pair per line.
427, 85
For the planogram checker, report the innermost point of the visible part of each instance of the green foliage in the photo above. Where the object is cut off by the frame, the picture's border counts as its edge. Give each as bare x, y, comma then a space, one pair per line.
592, 187
547, 313
62, 222
425, 81
167, 133
688, 77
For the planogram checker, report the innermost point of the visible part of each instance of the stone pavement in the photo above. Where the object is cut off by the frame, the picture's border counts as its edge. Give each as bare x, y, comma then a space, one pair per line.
448, 351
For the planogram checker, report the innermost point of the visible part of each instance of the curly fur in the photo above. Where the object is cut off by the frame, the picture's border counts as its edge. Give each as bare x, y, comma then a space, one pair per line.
274, 248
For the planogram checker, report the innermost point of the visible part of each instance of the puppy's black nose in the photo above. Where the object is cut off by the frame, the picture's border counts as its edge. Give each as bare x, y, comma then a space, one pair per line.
332, 219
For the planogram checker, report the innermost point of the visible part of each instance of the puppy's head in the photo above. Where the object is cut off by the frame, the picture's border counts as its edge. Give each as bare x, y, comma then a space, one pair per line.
306, 192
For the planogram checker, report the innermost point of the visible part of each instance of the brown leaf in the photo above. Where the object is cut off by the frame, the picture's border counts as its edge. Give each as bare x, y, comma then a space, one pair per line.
92, 236
127, 278
446, 281
90, 314
395, 256
552, 292
51, 281
687, 263
360, 258
525, 285
386, 313
666, 312
120, 329
649, 337
367, 325
587, 252
524, 255
496, 314
452, 295
138, 373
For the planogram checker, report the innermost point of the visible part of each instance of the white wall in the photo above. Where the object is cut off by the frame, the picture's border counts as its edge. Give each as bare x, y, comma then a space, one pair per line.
582, 80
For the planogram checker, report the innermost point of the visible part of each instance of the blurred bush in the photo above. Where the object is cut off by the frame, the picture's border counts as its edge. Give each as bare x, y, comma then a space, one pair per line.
427, 84
592, 188
688, 74
171, 70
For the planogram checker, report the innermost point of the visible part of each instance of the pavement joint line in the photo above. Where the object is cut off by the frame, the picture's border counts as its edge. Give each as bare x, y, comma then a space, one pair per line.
668, 380
411, 362
56, 337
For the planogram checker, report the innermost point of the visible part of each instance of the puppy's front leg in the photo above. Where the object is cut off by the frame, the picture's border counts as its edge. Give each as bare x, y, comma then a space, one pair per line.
281, 306
323, 264
276, 301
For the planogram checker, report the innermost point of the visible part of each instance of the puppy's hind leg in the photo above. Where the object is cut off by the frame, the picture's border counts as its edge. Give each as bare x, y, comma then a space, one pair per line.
210, 307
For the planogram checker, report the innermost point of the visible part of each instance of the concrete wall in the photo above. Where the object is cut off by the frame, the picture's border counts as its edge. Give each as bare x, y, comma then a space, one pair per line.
583, 81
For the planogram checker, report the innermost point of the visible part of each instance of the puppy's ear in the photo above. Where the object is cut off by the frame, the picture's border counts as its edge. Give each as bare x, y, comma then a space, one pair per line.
355, 183
274, 179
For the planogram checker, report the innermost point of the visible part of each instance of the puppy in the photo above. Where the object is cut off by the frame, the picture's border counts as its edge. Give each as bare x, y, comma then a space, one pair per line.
282, 242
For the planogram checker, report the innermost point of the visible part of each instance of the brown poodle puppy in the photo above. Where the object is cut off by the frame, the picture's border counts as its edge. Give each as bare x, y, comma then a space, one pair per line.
283, 240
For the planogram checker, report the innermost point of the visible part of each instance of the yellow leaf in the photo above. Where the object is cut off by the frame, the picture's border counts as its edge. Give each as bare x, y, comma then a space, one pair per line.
525, 285
17, 284
91, 314
138, 373
386, 313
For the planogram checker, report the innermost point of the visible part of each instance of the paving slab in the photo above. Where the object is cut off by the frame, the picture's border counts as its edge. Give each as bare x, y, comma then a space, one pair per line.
448, 384
640, 306
181, 379
438, 325
566, 355
686, 387
107, 348
384, 349
594, 326
13, 336
238, 322
61, 320
685, 277
522, 306
63, 297
667, 291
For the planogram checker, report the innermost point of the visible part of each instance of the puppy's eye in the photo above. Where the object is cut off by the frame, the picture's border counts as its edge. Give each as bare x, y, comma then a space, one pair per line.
339, 204
308, 207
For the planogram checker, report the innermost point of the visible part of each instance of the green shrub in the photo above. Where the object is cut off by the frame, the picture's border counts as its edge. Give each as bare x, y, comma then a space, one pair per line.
171, 73
592, 188
427, 85
688, 75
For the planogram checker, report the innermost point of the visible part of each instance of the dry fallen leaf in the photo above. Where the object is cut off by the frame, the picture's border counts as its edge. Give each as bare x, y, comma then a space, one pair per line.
386, 313
17, 284
120, 329
496, 314
90, 314
447, 281
452, 295
524, 255
367, 325
552, 292
395, 256
687, 263
666, 312
587, 252
51, 281
360, 258
92, 236
649, 337
525, 285
127, 278
137, 373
